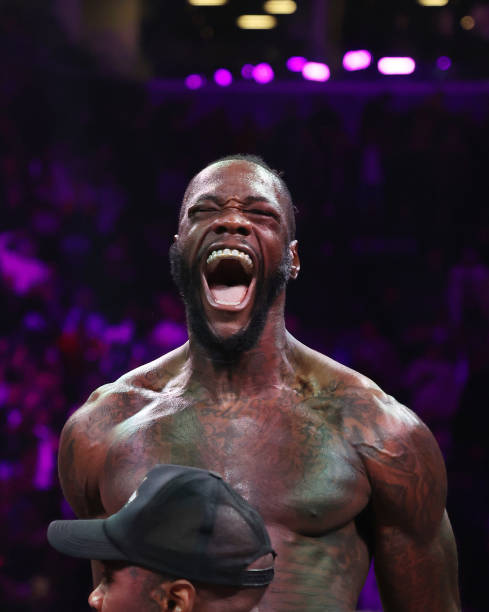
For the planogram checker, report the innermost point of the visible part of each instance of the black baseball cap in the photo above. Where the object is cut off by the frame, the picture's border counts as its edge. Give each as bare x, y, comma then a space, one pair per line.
182, 521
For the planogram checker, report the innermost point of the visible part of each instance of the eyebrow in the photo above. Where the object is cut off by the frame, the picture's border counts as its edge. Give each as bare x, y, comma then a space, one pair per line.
219, 201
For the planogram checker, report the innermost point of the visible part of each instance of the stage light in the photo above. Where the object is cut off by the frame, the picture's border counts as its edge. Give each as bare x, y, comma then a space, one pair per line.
433, 2
296, 63
247, 71
443, 62
263, 73
256, 22
280, 7
357, 60
207, 2
396, 65
315, 71
194, 81
467, 22
223, 77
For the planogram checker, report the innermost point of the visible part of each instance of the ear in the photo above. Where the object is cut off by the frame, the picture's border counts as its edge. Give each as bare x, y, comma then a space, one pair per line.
296, 264
180, 596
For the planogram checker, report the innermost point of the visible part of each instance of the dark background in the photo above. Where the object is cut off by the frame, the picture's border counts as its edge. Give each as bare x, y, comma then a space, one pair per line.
98, 138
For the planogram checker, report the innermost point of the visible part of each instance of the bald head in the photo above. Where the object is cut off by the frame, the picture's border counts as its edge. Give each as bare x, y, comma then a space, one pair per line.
259, 175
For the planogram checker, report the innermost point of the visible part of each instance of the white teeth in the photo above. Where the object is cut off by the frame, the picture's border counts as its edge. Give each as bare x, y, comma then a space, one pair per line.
231, 253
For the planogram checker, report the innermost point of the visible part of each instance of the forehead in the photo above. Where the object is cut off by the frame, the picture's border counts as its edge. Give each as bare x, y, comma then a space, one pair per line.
234, 178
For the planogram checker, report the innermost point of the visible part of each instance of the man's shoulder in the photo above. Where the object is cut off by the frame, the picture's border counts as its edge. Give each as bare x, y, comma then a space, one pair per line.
400, 455
372, 421
114, 402
153, 376
373, 413
87, 434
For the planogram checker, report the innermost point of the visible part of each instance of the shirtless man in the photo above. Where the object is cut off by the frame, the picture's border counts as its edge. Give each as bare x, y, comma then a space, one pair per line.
339, 470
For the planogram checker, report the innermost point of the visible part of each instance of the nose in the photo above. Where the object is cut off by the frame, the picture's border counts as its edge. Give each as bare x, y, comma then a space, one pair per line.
232, 221
96, 599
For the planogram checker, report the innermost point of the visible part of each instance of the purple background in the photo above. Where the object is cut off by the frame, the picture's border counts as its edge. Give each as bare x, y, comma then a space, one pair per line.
390, 179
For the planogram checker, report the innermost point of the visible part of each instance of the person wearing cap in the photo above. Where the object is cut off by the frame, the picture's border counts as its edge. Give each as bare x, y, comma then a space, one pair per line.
339, 470
185, 540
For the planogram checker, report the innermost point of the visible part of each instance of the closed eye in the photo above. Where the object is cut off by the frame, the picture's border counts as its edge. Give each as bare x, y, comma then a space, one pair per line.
265, 213
197, 209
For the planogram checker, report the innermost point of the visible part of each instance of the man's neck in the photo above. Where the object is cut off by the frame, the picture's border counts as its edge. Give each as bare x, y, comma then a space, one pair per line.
265, 366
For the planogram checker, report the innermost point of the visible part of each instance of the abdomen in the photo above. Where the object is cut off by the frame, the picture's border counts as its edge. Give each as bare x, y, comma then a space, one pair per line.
322, 574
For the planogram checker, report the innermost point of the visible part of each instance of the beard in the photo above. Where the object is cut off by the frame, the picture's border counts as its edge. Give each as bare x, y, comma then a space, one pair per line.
188, 281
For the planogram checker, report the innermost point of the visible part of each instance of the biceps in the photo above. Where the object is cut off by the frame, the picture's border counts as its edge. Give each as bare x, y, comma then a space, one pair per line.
415, 574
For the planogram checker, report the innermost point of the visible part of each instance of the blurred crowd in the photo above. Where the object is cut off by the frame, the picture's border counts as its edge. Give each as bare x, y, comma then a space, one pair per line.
393, 226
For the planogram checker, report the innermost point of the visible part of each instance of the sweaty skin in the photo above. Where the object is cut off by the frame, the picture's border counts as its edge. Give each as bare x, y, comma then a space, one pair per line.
339, 470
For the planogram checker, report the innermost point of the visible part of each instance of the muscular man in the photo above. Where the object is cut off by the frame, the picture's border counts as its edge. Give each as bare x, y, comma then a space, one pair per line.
339, 470
180, 528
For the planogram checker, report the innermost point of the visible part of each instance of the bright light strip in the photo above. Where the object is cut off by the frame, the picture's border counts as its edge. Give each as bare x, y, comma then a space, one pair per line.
263, 73
316, 71
280, 7
223, 77
396, 65
433, 2
256, 22
357, 60
296, 63
207, 2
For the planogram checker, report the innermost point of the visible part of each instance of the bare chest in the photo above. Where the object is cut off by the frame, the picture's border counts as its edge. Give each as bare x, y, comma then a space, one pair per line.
287, 457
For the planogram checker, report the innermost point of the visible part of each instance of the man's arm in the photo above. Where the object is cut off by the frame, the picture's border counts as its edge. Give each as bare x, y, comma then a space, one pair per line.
415, 554
80, 459
81, 452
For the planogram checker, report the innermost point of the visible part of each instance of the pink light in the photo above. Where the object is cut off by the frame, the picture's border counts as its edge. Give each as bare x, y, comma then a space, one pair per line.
443, 62
296, 63
315, 71
396, 65
263, 73
223, 77
357, 60
194, 81
247, 71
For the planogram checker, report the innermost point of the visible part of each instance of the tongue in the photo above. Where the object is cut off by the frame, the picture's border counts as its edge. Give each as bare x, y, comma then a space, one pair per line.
225, 294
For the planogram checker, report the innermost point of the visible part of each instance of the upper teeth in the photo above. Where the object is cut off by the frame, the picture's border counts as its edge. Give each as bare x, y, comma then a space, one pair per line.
221, 253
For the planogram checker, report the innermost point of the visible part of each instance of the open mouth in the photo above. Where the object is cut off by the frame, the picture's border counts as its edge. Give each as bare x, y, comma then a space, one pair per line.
229, 274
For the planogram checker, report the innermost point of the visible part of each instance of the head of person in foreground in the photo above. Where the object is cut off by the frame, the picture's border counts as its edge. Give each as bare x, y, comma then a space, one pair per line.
184, 541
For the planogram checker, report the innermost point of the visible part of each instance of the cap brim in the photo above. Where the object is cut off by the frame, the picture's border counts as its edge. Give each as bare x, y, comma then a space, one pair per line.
85, 539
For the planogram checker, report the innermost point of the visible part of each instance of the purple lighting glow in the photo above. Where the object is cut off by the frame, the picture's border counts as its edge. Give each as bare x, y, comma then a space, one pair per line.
396, 65
357, 60
263, 73
315, 71
296, 63
247, 71
223, 77
443, 62
194, 81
